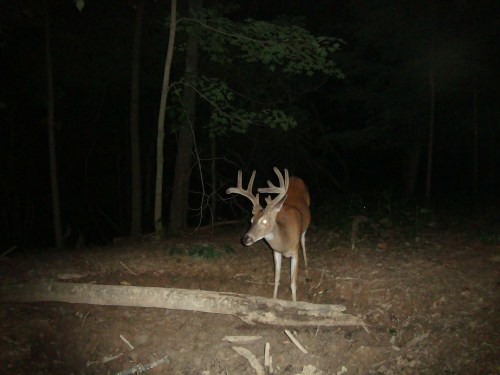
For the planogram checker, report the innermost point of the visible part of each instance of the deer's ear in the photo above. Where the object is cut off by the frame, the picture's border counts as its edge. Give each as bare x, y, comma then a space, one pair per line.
279, 204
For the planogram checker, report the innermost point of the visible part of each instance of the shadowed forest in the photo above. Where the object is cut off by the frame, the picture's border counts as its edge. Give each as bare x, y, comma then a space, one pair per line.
372, 104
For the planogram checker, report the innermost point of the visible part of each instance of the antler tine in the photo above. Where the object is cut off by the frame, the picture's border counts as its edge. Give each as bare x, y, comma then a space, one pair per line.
250, 183
280, 176
281, 190
240, 180
246, 192
287, 179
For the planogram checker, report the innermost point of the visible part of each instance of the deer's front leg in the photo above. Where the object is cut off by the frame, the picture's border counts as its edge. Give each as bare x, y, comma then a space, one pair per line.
277, 272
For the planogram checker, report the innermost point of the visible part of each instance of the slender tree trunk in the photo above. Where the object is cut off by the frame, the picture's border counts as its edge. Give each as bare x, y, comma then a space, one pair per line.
161, 120
412, 168
430, 143
148, 183
121, 211
56, 210
180, 193
135, 143
213, 195
475, 138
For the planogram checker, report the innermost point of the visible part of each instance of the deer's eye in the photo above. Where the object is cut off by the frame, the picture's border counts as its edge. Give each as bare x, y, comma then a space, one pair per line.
264, 221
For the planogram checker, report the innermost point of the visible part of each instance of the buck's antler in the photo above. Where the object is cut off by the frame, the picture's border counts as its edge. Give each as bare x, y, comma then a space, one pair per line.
246, 193
280, 190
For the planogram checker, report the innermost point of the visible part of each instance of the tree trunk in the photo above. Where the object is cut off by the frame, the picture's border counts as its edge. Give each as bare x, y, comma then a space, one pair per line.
213, 195
430, 142
250, 309
413, 163
475, 138
135, 143
180, 193
56, 210
121, 210
161, 120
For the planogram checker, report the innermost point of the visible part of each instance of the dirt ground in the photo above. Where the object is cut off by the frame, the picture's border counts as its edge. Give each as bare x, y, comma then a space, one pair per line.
431, 306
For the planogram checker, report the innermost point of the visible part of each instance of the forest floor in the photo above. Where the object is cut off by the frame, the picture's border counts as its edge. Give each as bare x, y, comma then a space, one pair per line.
431, 305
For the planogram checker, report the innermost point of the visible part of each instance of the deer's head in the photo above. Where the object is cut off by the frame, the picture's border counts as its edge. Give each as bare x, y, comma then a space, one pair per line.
263, 219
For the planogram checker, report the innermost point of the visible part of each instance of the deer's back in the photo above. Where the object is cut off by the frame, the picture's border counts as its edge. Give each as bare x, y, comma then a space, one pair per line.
298, 199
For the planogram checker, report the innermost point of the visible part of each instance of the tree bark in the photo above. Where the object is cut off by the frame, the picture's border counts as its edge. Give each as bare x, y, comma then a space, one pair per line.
135, 143
411, 172
475, 129
430, 141
180, 193
250, 309
161, 121
54, 183
213, 194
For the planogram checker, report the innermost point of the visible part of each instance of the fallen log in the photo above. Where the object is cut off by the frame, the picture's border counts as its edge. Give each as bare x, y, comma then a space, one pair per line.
250, 309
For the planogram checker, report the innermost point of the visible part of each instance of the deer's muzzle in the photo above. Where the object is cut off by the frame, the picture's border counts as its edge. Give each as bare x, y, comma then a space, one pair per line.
247, 240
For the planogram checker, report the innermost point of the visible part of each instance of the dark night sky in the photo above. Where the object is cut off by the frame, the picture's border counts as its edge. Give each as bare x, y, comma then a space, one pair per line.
354, 136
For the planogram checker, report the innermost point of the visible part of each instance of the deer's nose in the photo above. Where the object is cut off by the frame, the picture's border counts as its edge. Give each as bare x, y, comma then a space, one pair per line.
247, 240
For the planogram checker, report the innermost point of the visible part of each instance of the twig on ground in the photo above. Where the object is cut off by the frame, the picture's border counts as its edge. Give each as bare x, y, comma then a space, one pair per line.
85, 317
139, 369
241, 338
128, 269
268, 360
295, 341
251, 359
127, 342
110, 358
259, 282
9, 250
319, 282
72, 276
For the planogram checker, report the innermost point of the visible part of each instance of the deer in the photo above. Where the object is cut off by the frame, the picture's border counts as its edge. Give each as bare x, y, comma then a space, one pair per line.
283, 223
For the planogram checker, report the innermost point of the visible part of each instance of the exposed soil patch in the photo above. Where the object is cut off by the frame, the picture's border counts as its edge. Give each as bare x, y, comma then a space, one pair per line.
431, 307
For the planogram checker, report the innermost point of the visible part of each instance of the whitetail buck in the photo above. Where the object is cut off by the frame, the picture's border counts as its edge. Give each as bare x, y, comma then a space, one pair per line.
283, 223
